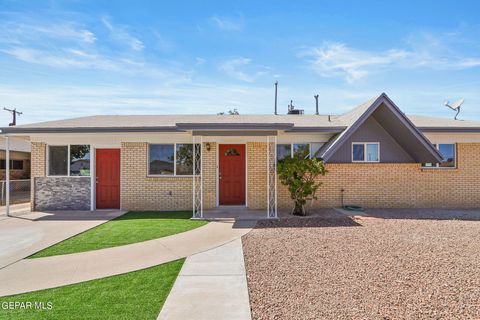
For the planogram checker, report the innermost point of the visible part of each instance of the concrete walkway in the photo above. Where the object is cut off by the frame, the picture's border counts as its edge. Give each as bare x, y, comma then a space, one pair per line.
41, 273
24, 235
211, 285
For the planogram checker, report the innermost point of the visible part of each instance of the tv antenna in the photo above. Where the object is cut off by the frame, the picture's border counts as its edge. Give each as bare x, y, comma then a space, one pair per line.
455, 106
14, 113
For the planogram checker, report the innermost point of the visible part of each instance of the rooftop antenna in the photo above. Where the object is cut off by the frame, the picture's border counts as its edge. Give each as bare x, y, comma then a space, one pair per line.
455, 106
316, 104
14, 113
291, 106
276, 87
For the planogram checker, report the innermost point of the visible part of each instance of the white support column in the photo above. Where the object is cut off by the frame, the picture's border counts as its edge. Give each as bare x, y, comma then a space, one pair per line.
197, 178
201, 177
93, 177
7, 175
276, 198
271, 177
194, 205
268, 177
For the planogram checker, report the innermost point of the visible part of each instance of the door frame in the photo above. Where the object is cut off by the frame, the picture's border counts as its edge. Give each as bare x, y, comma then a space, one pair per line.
217, 180
94, 179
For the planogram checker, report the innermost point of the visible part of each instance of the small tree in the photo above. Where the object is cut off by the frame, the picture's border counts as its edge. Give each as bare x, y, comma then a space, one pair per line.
231, 112
299, 175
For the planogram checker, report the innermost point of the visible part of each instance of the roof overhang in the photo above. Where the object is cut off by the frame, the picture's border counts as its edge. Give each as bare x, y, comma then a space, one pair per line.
234, 126
206, 128
450, 129
14, 130
317, 129
235, 133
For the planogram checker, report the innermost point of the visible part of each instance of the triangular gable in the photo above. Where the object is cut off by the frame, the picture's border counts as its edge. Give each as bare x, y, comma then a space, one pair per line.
418, 146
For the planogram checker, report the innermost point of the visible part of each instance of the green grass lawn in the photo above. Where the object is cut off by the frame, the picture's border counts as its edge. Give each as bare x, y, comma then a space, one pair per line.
130, 228
135, 295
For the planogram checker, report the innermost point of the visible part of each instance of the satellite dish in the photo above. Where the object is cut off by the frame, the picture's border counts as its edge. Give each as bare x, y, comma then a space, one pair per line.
455, 106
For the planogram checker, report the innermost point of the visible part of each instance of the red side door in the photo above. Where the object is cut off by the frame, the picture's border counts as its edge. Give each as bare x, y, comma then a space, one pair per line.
107, 170
231, 174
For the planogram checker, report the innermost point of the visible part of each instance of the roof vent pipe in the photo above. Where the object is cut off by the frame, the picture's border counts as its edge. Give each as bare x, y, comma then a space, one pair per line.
316, 104
329, 118
276, 86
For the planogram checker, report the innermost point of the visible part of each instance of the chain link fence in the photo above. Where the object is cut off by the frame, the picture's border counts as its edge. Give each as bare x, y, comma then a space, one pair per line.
19, 191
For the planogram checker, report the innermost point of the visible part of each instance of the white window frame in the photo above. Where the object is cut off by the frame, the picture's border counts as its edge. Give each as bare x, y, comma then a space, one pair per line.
309, 147
365, 152
174, 175
436, 166
47, 158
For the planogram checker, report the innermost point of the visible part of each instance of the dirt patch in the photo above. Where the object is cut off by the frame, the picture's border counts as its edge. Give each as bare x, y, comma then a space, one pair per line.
364, 269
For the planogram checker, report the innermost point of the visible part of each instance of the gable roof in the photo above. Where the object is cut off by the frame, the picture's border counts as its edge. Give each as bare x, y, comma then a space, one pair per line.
425, 152
181, 123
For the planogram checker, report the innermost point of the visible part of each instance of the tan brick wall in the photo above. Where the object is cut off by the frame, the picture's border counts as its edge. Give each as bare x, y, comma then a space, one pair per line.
369, 185
401, 185
38, 156
256, 175
140, 192
209, 174
37, 167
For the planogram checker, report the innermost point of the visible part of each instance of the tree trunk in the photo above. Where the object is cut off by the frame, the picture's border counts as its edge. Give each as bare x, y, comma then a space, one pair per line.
298, 209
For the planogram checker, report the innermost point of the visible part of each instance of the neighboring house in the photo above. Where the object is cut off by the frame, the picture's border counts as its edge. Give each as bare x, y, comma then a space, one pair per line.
375, 156
19, 158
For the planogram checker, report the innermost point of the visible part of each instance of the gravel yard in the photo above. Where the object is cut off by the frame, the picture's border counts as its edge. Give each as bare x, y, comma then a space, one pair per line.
367, 268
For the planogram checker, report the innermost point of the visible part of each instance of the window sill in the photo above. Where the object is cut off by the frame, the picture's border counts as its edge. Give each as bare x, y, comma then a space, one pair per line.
171, 176
439, 168
47, 176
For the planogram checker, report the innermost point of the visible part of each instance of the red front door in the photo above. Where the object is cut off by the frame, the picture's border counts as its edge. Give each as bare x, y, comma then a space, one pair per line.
231, 174
107, 170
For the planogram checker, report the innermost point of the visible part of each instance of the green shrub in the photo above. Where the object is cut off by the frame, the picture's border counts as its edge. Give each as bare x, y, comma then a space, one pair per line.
299, 175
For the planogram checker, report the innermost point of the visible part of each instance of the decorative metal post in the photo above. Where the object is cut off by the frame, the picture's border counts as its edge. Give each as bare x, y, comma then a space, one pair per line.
7, 175
197, 157
272, 177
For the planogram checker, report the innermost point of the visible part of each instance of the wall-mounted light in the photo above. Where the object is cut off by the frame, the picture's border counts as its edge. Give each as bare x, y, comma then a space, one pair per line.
207, 146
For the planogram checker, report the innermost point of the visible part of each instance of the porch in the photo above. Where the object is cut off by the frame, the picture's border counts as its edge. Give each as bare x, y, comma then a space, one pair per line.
234, 175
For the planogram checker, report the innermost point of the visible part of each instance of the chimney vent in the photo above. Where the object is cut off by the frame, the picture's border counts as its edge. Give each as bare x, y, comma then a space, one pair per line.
292, 110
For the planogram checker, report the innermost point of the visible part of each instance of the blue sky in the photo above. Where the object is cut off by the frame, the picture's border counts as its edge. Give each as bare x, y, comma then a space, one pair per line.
62, 59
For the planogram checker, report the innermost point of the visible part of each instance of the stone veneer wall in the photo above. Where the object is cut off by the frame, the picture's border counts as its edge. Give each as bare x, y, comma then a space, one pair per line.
62, 193
56, 193
380, 185
142, 192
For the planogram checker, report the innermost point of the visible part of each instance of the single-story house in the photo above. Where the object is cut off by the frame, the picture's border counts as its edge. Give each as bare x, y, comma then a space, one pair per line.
376, 156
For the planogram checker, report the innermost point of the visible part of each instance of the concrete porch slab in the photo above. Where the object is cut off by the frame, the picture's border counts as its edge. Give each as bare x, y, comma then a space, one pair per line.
234, 213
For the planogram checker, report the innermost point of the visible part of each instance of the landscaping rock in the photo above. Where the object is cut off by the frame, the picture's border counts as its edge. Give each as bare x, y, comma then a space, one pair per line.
340, 268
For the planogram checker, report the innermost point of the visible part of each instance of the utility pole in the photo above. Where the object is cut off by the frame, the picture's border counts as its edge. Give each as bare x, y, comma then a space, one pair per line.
276, 87
14, 113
